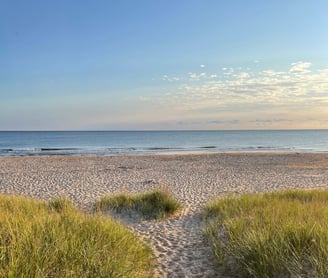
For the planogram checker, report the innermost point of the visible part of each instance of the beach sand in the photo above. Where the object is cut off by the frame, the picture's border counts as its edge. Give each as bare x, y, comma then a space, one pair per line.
178, 242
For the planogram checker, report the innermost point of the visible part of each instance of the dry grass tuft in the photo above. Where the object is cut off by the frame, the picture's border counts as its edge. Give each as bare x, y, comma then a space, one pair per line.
39, 239
156, 204
281, 234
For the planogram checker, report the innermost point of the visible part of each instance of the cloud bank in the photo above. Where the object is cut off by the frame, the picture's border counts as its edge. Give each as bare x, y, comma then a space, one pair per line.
236, 98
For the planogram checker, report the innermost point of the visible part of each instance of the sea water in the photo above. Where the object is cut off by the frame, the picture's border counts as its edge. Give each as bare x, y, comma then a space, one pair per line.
28, 143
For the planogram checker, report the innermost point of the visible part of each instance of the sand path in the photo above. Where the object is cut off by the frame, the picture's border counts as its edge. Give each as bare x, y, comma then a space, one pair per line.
177, 242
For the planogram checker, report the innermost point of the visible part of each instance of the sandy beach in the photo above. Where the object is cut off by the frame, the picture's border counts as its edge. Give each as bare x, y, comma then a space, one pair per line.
178, 242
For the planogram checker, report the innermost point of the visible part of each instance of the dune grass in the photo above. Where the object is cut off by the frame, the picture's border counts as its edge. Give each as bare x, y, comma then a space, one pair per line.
155, 204
53, 239
282, 234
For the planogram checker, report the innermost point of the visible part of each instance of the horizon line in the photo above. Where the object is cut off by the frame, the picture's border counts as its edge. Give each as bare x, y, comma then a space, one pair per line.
158, 130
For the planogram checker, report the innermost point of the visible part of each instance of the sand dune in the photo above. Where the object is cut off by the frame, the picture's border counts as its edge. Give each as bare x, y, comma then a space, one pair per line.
178, 243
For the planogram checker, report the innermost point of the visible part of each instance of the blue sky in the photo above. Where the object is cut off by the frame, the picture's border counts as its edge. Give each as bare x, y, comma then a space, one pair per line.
163, 64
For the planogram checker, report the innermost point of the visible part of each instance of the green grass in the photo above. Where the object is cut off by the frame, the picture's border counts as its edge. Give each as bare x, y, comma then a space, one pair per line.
282, 234
155, 204
39, 239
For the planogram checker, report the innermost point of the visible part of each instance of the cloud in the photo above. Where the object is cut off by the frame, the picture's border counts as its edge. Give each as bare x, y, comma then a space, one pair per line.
220, 122
196, 76
202, 66
193, 76
272, 120
300, 67
269, 73
228, 71
242, 75
280, 97
170, 79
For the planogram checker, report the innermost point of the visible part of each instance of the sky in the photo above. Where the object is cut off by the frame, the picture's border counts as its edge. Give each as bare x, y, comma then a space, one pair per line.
163, 65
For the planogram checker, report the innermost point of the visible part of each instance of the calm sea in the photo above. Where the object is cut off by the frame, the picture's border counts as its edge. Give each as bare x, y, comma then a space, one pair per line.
28, 143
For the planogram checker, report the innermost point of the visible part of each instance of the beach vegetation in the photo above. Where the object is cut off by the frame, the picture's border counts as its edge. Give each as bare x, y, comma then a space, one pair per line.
156, 204
279, 234
53, 239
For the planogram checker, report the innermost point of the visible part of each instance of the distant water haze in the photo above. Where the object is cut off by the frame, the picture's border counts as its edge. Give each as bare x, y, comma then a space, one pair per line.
29, 143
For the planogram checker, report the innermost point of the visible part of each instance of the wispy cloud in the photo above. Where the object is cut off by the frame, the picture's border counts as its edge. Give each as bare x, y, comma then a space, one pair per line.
232, 93
170, 78
268, 86
196, 76
242, 75
300, 67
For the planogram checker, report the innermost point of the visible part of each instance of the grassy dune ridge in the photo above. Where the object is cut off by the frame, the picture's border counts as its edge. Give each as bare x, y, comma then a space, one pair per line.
53, 239
155, 204
280, 234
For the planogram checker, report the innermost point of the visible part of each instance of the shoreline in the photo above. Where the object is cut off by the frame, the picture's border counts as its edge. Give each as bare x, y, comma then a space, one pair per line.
182, 153
194, 179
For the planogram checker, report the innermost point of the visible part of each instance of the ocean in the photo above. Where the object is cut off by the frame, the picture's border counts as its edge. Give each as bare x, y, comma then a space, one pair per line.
31, 143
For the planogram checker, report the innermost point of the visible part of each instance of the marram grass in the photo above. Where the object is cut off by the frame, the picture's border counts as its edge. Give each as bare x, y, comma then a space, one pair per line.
282, 234
155, 204
39, 239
